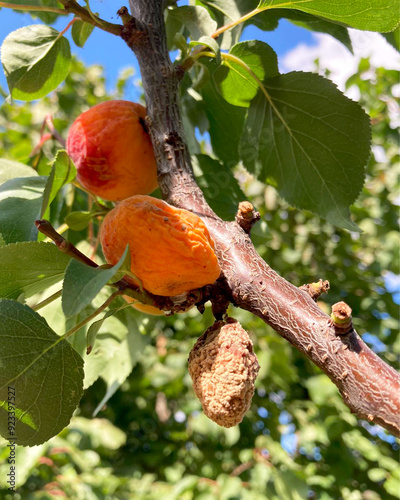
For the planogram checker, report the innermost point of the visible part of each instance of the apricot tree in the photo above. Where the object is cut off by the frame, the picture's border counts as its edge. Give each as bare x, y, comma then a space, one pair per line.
294, 131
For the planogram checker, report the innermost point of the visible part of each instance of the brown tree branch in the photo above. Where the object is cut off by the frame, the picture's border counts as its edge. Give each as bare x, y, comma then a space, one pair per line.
71, 6
370, 387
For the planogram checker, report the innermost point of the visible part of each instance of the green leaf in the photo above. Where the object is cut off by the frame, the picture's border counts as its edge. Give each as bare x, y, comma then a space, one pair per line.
225, 124
92, 332
35, 60
393, 38
46, 17
226, 11
108, 340
232, 9
235, 83
100, 432
26, 461
196, 19
219, 186
30, 268
379, 15
95, 327
78, 220
315, 23
43, 164
82, 283
41, 371
376, 475
80, 32
20, 203
211, 43
62, 172
311, 142
10, 169
125, 356
289, 486
392, 486
268, 21
321, 389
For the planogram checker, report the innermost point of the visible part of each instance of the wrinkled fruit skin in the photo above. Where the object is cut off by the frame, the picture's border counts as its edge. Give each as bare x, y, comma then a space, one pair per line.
224, 368
112, 152
171, 249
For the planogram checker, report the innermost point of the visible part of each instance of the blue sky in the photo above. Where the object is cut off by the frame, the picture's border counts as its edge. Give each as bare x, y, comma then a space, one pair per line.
108, 50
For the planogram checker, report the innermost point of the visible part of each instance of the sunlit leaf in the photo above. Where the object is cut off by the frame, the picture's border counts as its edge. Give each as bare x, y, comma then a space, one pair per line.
36, 60
310, 141
41, 376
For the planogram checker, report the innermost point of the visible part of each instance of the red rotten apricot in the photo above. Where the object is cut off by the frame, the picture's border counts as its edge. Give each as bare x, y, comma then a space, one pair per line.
112, 150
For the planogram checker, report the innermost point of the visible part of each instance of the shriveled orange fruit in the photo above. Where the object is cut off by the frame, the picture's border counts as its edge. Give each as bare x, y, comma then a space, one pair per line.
171, 249
112, 151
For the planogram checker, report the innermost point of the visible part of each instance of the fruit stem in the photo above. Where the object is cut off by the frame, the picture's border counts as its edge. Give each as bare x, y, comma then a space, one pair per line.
68, 26
93, 315
235, 23
47, 301
50, 125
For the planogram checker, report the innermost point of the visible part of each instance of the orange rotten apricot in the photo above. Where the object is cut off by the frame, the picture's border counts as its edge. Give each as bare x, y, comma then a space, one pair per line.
171, 249
112, 151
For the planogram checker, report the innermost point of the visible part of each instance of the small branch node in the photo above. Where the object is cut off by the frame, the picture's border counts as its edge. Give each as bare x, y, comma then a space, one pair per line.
123, 13
344, 375
314, 290
179, 72
370, 418
325, 358
341, 318
246, 216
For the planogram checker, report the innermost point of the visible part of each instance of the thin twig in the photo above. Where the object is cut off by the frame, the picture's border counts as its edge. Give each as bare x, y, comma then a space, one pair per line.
71, 6
47, 301
49, 122
93, 315
64, 246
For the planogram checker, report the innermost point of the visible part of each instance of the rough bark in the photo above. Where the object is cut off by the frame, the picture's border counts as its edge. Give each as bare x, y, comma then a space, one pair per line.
370, 387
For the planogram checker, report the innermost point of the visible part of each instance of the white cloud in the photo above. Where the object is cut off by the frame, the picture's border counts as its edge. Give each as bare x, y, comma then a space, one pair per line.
335, 58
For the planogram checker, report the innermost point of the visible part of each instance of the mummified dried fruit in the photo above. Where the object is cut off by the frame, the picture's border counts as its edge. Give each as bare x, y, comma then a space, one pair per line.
223, 368
171, 249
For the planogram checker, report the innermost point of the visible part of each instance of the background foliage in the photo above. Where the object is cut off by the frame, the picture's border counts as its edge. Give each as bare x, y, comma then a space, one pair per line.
148, 438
